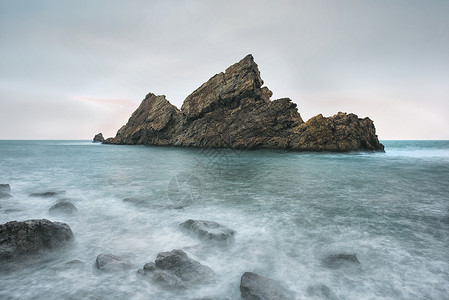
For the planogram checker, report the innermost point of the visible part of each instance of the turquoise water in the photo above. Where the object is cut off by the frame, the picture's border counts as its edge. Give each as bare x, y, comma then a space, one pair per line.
289, 210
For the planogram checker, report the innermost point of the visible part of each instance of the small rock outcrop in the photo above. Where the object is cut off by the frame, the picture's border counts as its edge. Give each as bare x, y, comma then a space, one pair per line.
175, 270
31, 237
256, 287
5, 191
47, 194
335, 261
63, 208
233, 110
209, 231
109, 263
98, 138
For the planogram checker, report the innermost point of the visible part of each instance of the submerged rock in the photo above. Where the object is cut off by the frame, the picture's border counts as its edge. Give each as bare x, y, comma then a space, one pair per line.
63, 207
5, 191
233, 110
108, 262
320, 291
175, 270
47, 194
255, 287
209, 231
31, 237
335, 261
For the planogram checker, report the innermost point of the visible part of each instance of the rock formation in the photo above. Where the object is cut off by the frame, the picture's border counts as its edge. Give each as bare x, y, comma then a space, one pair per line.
175, 270
253, 286
98, 138
18, 239
5, 191
234, 110
108, 262
209, 231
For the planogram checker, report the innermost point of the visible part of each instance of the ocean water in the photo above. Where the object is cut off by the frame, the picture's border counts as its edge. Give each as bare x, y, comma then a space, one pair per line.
289, 210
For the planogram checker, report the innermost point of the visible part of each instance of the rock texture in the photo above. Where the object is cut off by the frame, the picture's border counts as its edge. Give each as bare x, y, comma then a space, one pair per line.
256, 287
31, 237
233, 110
175, 270
209, 231
63, 208
98, 138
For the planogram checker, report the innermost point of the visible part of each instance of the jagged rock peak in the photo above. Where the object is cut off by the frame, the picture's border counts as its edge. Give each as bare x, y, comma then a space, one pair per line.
233, 110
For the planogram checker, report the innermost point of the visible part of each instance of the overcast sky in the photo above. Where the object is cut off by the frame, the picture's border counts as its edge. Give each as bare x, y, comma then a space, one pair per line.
71, 69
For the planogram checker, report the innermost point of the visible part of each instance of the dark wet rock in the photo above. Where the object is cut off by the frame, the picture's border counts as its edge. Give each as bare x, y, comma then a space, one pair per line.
234, 110
75, 262
63, 208
47, 194
31, 237
5, 191
335, 261
175, 270
98, 138
209, 231
320, 291
255, 287
108, 262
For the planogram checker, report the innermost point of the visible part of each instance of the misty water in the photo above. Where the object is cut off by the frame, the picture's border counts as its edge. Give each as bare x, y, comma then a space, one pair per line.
289, 210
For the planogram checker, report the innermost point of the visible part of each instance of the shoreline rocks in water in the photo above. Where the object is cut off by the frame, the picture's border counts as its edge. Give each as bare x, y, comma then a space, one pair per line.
256, 287
47, 194
98, 138
209, 231
30, 237
233, 110
175, 270
63, 207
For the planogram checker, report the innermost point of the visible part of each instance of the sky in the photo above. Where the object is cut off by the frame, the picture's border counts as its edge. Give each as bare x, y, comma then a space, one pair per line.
71, 69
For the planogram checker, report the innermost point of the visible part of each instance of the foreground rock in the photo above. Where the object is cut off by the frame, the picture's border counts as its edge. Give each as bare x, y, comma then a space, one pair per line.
255, 287
175, 270
209, 231
5, 191
335, 261
108, 262
31, 237
98, 138
63, 208
233, 110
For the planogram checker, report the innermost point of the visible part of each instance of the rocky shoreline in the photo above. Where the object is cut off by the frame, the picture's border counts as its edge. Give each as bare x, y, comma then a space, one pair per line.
233, 110
29, 242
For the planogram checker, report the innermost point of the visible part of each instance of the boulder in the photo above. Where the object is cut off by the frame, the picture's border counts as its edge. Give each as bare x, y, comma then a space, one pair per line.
256, 287
175, 270
63, 208
5, 191
209, 231
108, 262
98, 138
31, 237
335, 261
47, 194
233, 110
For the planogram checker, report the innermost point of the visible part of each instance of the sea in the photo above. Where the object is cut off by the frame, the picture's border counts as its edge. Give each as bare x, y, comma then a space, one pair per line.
289, 210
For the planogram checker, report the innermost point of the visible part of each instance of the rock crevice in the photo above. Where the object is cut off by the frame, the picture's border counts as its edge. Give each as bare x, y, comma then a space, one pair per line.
233, 110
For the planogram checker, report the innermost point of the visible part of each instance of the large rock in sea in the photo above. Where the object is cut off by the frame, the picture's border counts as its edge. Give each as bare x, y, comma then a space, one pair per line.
234, 110
109, 262
18, 239
175, 270
98, 138
5, 191
256, 287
